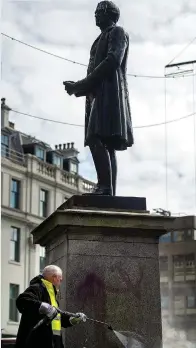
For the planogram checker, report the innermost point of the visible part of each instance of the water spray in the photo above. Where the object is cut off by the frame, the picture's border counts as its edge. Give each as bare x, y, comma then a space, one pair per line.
127, 338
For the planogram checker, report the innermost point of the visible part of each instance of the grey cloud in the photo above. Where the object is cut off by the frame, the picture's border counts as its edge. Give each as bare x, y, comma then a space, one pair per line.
188, 7
158, 22
136, 38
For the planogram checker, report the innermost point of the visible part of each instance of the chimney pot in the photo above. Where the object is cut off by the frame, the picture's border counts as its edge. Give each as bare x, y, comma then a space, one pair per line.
59, 146
56, 147
2, 101
64, 146
4, 114
68, 145
72, 145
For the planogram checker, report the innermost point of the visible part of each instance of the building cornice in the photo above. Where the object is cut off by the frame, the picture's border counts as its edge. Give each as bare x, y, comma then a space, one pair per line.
29, 219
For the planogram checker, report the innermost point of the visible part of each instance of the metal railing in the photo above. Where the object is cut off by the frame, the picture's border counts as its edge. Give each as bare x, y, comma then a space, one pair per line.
13, 155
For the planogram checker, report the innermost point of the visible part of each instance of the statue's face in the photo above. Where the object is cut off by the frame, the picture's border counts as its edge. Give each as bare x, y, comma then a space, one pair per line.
101, 16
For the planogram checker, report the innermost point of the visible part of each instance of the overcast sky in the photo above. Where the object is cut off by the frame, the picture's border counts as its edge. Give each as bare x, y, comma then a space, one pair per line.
32, 83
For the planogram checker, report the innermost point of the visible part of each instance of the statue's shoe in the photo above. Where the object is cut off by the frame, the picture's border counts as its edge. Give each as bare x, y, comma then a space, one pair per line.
100, 191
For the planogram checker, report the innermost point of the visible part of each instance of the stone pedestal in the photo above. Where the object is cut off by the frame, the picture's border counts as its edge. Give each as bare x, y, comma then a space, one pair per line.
111, 271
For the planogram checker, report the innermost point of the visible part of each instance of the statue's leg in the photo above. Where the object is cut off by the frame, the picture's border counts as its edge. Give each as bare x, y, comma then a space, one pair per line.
113, 162
102, 163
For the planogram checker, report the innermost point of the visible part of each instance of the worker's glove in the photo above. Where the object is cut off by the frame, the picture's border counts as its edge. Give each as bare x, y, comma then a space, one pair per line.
76, 320
48, 310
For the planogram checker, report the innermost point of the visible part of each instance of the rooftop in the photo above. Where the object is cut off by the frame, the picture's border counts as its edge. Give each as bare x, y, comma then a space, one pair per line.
20, 148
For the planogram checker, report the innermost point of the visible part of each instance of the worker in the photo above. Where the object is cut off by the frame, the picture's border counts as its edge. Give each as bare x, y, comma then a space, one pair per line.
39, 301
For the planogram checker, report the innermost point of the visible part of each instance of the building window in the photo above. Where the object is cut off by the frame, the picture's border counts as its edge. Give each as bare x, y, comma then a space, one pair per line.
190, 271
73, 168
43, 205
184, 267
13, 312
164, 302
42, 258
4, 145
178, 261
57, 160
15, 194
190, 261
166, 238
179, 305
178, 268
189, 235
163, 263
178, 236
40, 153
15, 244
191, 301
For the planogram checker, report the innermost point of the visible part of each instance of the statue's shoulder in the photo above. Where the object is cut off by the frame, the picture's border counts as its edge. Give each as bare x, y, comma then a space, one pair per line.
119, 30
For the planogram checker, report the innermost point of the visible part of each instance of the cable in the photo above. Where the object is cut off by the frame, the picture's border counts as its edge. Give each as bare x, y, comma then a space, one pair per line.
80, 125
47, 119
194, 133
162, 123
41, 50
82, 64
182, 50
166, 146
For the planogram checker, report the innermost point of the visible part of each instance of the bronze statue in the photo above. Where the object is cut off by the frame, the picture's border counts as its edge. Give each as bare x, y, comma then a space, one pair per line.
108, 125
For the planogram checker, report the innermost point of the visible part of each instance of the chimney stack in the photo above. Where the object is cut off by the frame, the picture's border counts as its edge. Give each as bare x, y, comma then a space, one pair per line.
64, 147
4, 114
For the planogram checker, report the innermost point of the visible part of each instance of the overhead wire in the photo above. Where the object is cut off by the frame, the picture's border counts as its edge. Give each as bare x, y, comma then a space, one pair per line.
43, 51
85, 65
194, 123
189, 43
80, 125
166, 143
194, 133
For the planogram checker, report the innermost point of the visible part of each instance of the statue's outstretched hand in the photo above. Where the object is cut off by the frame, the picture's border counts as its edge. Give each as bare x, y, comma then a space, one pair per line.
69, 87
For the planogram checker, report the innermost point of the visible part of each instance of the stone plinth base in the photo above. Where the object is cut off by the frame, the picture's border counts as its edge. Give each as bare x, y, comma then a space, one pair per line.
111, 272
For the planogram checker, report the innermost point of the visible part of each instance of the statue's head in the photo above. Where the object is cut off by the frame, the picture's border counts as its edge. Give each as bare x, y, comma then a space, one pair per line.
106, 13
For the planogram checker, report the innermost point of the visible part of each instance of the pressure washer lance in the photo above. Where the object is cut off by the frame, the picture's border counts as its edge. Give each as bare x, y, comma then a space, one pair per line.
87, 318
100, 322
48, 321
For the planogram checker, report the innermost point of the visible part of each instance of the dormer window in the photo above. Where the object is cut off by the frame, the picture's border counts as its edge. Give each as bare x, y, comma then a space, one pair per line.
40, 153
57, 160
73, 167
4, 145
